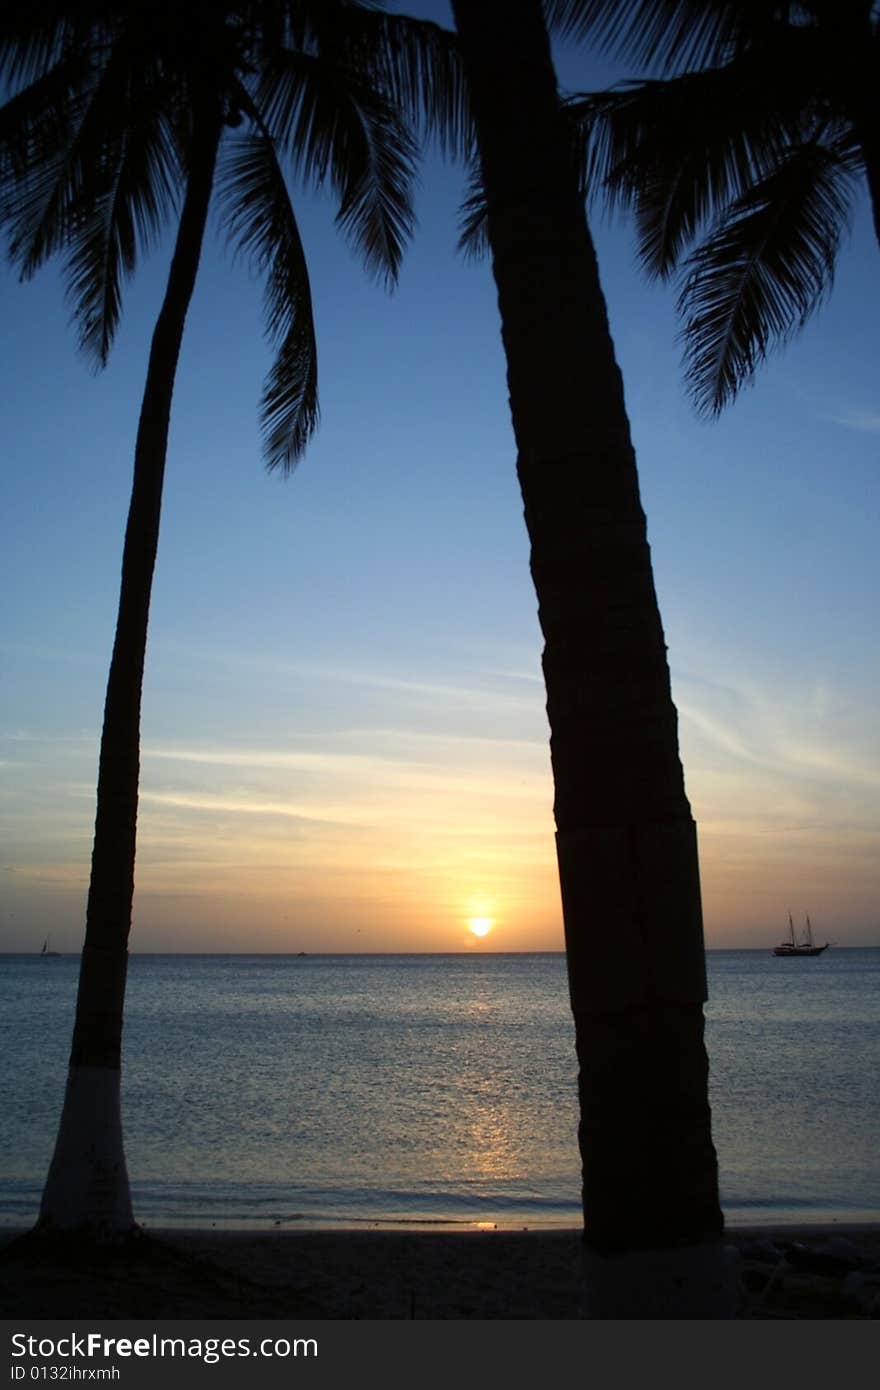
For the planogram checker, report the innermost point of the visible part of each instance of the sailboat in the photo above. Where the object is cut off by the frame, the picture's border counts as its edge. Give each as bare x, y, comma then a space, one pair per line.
805, 947
46, 950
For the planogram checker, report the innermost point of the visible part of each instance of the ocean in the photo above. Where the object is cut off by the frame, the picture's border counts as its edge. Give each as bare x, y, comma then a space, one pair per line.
432, 1090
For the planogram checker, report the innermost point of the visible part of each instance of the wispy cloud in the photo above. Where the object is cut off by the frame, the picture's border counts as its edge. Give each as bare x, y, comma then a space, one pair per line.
778, 764
240, 805
488, 686
385, 745
864, 421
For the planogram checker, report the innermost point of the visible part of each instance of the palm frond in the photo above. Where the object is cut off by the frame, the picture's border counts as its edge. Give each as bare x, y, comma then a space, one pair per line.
120, 221
670, 35
71, 155
679, 151
36, 120
36, 35
762, 272
415, 65
339, 128
473, 225
93, 175
260, 222
376, 209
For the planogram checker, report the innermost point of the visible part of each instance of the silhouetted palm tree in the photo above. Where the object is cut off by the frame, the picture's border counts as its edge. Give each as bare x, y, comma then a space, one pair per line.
626, 839
125, 119
751, 152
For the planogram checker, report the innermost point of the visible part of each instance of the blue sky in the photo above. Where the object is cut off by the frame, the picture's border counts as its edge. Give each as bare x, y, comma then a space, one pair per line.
344, 738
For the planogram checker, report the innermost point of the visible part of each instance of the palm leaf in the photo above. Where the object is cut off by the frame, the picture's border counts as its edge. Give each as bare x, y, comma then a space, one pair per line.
376, 209
50, 193
121, 219
338, 128
35, 121
679, 151
669, 35
260, 223
35, 35
96, 183
473, 225
763, 271
416, 65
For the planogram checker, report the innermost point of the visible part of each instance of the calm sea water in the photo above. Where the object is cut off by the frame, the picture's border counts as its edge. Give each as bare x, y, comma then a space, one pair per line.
432, 1089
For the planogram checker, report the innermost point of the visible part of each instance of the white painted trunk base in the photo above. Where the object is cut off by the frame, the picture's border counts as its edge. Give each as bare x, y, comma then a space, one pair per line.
87, 1187
694, 1281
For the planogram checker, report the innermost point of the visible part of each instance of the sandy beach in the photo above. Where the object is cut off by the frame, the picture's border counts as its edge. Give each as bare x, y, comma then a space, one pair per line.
820, 1272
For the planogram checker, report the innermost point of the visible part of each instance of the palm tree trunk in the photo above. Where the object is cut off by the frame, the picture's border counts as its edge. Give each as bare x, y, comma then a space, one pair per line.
87, 1186
849, 34
868, 129
626, 841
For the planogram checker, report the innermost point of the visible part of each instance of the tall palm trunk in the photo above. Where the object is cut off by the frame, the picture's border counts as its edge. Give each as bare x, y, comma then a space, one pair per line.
850, 40
626, 841
871, 147
87, 1186
866, 120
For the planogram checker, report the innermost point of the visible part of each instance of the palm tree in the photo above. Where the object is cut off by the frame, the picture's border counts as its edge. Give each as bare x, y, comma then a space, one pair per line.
742, 166
125, 119
626, 840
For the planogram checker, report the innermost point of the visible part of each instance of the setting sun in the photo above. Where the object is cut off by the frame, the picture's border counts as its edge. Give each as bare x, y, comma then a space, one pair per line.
481, 926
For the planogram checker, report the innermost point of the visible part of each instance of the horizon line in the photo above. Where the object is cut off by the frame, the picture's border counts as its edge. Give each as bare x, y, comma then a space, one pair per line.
297, 955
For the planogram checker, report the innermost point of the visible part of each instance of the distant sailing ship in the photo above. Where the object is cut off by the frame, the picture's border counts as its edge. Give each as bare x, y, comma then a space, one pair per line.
805, 947
46, 950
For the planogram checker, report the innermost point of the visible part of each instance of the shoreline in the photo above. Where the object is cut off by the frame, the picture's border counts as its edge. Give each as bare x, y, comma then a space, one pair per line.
169, 1227
829, 1270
